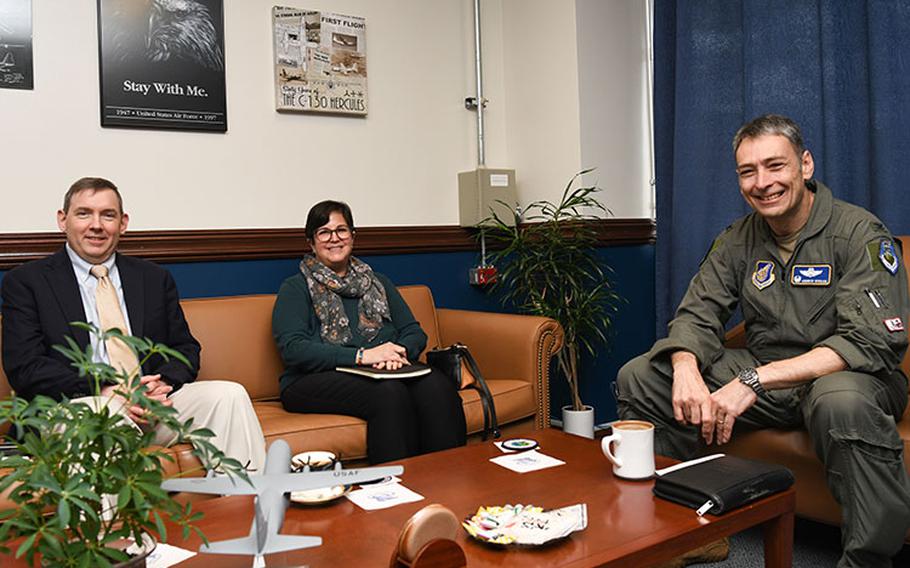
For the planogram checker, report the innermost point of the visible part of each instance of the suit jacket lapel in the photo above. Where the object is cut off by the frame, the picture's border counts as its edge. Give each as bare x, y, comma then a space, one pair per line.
62, 280
133, 294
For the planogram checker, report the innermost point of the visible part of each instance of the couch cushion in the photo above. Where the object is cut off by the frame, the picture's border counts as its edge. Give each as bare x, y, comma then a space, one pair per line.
420, 300
513, 398
237, 344
345, 436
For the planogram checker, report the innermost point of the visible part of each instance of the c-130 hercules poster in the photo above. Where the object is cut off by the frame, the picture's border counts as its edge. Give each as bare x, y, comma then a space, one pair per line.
320, 61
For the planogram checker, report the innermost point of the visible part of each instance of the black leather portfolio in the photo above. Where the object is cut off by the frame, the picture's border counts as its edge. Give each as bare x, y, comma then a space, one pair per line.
727, 482
406, 372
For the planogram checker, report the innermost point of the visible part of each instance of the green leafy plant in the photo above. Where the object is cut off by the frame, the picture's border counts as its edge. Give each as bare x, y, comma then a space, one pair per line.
549, 266
86, 478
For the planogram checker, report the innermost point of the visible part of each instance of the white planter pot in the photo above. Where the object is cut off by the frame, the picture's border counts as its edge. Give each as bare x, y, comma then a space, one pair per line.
578, 422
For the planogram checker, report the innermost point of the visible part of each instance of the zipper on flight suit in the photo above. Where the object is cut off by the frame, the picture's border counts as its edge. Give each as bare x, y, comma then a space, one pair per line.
819, 308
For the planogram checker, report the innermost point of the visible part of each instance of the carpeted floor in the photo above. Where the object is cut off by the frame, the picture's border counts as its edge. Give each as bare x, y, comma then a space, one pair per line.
815, 546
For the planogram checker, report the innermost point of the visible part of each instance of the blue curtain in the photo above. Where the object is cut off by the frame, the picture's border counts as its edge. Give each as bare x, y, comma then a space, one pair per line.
839, 68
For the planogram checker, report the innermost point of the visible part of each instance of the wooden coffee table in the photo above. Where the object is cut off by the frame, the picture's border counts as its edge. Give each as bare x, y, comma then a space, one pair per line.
627, 525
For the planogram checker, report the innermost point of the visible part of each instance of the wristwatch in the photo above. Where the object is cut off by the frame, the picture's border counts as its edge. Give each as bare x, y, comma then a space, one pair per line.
749, 377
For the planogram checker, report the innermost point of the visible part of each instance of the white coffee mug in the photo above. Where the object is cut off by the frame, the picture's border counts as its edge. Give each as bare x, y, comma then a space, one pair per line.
632, 451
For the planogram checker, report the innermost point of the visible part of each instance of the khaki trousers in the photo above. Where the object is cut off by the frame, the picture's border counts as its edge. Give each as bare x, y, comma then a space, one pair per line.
849, 416
223, 407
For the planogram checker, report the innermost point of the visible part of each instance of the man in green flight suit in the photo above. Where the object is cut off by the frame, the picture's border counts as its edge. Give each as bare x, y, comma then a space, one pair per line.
824, 297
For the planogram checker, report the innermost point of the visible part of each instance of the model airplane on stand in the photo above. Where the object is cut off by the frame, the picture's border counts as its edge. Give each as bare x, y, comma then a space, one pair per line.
271, 490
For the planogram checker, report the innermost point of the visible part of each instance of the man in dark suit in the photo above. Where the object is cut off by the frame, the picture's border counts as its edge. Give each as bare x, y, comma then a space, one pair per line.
41, 298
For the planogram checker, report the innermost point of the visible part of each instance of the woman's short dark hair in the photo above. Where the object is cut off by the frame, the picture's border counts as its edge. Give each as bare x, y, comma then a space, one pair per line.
319, 216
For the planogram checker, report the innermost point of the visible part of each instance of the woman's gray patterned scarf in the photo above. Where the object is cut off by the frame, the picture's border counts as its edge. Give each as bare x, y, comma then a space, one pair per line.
327, 289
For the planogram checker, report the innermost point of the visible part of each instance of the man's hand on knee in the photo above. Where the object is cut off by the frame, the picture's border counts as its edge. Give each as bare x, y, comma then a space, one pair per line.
156, 388
692, 402
730, 401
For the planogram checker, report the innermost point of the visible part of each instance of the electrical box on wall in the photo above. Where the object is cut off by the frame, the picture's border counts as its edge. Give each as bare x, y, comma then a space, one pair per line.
480, 189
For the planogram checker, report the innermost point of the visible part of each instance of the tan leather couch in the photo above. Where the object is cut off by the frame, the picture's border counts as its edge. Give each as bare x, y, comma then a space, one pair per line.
793, 448
513, 352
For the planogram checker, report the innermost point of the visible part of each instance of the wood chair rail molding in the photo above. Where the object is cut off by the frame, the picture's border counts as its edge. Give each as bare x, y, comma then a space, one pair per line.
244, 244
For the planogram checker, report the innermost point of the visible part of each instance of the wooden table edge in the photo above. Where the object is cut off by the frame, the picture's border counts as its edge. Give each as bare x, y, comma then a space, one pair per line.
775, 514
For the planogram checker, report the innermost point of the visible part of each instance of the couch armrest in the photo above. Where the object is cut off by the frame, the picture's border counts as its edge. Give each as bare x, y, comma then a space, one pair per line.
508, 346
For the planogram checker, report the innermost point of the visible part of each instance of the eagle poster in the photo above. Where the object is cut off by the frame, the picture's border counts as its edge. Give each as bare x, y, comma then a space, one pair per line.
162, 64
320, 61
16, 44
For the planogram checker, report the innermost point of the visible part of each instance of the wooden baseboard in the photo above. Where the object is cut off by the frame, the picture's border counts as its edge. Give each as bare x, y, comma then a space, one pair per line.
245, 244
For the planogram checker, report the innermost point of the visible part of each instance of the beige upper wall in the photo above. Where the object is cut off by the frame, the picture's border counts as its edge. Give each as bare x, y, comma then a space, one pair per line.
541, 87
613, 74
398, 166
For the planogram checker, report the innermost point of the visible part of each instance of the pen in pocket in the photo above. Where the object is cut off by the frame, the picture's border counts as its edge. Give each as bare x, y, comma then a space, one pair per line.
874, 297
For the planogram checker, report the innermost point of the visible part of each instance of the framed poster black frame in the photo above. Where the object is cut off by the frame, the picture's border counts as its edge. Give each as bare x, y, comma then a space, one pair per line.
154, 73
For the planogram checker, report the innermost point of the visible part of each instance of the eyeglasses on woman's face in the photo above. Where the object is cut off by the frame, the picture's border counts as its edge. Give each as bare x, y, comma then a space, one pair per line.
342, 233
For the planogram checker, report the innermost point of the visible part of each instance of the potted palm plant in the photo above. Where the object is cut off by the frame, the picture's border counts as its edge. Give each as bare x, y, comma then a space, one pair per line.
549, 266
84, 480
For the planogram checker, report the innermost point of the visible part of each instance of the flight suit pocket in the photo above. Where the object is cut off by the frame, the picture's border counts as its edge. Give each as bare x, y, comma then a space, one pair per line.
870, 306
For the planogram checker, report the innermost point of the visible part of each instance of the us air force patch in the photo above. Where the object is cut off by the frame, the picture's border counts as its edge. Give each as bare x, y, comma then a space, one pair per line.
810, 275
764, 274
888, 256
883, 256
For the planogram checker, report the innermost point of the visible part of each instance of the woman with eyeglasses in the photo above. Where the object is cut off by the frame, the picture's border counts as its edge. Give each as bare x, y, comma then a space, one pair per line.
338, 312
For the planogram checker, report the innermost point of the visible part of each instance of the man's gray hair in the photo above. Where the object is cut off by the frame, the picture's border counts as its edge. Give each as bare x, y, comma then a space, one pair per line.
771, 125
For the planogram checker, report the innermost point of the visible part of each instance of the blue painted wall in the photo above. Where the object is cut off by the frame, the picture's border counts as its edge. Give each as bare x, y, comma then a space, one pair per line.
632, 335
446, 275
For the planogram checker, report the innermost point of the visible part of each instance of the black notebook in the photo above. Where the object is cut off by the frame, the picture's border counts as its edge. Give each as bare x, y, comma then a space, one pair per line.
412, 370
718, 485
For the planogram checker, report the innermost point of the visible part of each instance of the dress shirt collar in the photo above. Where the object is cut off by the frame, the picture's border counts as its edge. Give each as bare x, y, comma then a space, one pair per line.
83, 267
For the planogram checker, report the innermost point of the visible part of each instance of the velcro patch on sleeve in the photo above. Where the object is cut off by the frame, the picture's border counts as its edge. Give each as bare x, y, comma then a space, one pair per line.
883, 256
894, 324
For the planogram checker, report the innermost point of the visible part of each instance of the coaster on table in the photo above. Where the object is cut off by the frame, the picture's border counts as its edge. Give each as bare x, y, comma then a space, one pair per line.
430, 523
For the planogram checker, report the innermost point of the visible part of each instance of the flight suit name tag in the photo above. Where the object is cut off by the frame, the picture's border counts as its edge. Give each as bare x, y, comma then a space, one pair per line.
810, 275
763, 276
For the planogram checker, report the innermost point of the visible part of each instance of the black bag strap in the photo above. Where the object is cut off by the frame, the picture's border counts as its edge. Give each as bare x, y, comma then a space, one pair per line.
463, 355
490, 423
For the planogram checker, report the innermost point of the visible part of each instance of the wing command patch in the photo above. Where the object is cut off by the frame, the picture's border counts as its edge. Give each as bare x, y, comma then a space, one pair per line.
883, 256
764, 274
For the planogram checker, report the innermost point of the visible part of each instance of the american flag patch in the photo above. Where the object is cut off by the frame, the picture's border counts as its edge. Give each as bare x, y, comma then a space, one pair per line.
894, 324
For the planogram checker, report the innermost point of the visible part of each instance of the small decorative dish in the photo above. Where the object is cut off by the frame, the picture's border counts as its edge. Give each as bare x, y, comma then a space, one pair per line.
524, 525
493, 525
519, 444
321, 495
317, 460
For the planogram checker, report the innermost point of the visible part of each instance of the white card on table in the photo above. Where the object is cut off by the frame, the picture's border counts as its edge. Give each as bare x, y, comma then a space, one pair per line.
166, 555
383, 496
526, 461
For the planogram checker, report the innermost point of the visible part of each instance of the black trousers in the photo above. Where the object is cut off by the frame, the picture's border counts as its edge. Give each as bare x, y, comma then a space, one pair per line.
405, 417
